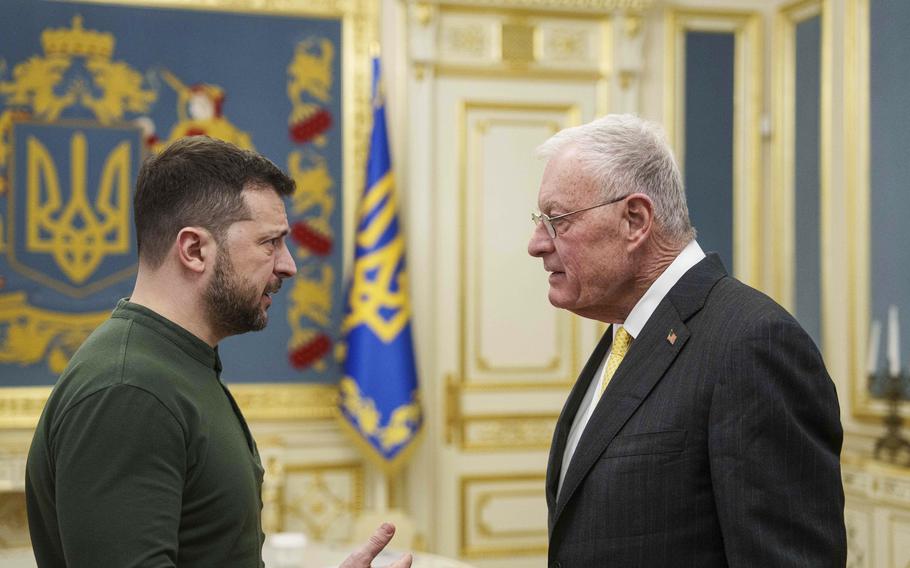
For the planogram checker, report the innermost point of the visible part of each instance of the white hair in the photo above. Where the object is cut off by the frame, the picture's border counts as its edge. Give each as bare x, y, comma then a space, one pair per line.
623, 154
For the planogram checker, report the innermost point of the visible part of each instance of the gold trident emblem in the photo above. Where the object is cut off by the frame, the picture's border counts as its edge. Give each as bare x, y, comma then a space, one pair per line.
77, 237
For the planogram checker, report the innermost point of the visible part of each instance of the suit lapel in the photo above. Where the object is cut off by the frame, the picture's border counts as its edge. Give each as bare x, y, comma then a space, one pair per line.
642, 368
564, 423
646, 363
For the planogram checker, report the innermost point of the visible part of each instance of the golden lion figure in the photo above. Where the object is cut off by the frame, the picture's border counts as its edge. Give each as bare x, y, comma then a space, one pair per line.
314, 184
311, 73
122, 91
33, 86
311, 297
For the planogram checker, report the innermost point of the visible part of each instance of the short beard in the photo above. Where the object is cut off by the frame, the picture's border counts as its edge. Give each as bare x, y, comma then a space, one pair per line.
233, 307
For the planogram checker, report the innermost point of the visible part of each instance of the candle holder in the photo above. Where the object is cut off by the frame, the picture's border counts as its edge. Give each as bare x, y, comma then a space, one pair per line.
893, 444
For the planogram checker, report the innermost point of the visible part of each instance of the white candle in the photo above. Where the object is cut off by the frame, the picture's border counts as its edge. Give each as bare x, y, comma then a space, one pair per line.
875, 337
894, 338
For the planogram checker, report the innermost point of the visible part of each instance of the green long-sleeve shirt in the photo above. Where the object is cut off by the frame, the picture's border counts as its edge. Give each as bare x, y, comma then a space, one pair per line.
141, 456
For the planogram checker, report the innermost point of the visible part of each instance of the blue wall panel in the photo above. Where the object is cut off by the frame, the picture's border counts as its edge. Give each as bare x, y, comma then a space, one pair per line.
890, 163
807, 186
709, 139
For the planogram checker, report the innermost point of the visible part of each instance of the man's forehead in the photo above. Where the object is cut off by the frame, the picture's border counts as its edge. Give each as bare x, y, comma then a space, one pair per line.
267, 211
564, 183
264, 202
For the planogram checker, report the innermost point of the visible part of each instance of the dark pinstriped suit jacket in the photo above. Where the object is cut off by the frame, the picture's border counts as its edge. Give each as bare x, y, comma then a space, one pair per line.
719, 449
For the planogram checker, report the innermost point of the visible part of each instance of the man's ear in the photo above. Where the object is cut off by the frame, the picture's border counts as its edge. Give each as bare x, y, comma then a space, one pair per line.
640, 217
196, 248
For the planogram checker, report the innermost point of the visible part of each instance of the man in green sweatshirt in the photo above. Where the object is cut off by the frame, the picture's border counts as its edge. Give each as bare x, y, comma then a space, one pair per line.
141, 456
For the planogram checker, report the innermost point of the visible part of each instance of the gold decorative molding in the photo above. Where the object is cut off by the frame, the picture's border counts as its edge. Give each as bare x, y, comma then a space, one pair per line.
500, 70
453, 418
474, 501
20, 407
517, 43
424, 13
784, 146
877, 480
857, 194
632, 24
485, 499
468, 40
567, 6
286, 401
507, 432
321, 497
877, 510
504, 113
626, 78
566, 44
420, 71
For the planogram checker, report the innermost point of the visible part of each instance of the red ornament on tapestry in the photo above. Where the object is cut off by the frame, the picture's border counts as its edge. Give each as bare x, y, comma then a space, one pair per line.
311, 239
309, 128
310, 352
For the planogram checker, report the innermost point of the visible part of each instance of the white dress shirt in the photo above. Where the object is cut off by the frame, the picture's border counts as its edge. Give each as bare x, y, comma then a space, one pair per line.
635, 322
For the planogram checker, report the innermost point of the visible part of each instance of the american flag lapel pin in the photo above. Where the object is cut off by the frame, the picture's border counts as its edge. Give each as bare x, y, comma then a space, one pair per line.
672, 337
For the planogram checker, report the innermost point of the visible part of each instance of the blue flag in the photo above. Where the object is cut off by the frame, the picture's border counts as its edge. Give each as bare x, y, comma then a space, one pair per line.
378, 393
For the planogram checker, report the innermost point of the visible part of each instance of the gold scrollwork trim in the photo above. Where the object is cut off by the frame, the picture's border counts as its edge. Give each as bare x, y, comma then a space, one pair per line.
470, 550
509, 432
446, 69
354, 506
747, 143
572, 7
520, 58
632, 24
286, 402
424, 13
20, 407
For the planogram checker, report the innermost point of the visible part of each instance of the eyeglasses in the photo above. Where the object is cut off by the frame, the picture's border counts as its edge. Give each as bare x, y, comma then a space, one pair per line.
547, 221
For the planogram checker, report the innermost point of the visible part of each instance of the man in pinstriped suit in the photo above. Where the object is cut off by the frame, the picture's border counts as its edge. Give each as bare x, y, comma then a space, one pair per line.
704, 429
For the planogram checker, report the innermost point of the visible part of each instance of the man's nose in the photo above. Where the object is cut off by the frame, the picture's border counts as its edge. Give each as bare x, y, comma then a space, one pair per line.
540, 243
285, 267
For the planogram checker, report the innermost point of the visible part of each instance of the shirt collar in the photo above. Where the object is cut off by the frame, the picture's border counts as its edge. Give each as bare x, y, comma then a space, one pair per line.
182, 338
641, 313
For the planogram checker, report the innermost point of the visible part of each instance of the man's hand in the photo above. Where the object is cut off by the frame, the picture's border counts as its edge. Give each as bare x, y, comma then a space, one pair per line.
362, 557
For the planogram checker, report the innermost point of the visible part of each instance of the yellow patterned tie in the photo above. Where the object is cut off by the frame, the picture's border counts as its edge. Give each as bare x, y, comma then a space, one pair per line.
621, 343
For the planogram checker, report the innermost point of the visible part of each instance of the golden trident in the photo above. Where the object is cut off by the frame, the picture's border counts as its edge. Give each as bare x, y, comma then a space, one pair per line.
75, 235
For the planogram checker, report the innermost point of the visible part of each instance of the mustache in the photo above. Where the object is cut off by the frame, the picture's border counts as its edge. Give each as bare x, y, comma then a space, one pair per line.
273, 288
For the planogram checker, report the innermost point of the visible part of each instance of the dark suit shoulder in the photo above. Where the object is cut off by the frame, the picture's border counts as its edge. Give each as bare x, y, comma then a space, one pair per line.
748, 311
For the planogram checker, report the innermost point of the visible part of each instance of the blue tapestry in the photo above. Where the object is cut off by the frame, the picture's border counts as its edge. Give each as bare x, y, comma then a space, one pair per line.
86, 92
